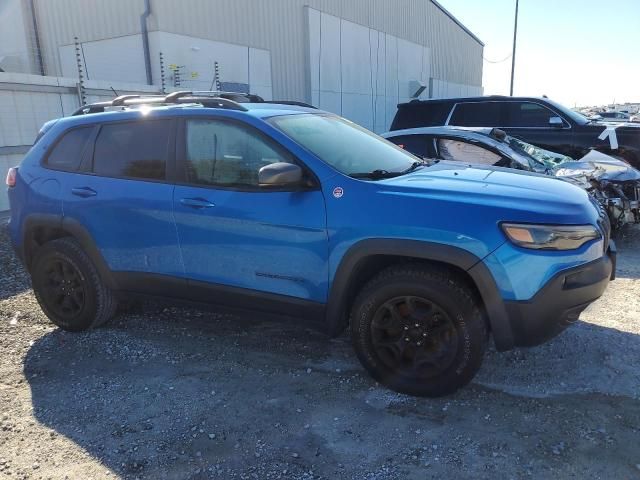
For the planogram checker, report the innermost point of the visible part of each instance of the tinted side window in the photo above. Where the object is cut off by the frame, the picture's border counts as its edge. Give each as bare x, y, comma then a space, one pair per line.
416, 144
67, 153
421, 115
227, 154
526, 114
480, 114
133, 150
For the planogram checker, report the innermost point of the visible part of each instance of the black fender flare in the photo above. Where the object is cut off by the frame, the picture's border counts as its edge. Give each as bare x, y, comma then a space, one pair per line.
74, 229
337, 314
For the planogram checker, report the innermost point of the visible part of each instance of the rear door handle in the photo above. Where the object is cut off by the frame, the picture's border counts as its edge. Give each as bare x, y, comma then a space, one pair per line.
196, 203
84, 192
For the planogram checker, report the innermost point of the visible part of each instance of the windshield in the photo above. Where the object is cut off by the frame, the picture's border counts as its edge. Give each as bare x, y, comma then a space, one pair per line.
540, 155
344, 145
575, 116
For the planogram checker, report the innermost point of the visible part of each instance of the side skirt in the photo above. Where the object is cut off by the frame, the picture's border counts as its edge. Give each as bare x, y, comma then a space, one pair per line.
177, 290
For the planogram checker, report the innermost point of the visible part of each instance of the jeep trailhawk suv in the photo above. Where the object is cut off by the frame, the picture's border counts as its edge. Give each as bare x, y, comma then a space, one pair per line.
289, 209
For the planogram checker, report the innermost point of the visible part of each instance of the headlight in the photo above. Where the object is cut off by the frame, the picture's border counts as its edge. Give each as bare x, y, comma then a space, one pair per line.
550, 237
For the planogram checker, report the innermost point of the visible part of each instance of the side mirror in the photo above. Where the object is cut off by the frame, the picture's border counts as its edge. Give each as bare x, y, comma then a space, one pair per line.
280, 175
556, 122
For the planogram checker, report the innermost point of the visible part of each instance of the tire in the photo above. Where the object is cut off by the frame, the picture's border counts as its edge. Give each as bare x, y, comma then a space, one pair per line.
68, 287
419, 330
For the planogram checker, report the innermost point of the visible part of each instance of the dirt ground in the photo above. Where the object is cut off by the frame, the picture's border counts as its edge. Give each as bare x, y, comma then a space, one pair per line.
180, 393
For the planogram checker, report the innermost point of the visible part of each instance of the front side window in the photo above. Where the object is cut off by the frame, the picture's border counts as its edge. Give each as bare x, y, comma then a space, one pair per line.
342, 144
526, 114
136, 150
67, 153
227, 154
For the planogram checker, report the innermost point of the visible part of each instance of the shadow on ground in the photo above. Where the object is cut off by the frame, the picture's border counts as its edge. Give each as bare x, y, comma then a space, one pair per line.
196, 395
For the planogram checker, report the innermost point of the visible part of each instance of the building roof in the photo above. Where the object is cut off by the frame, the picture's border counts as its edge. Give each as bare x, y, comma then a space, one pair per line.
457, 22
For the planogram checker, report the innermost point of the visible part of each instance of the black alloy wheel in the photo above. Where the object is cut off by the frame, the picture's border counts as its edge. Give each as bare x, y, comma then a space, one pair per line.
414, 336
64, 290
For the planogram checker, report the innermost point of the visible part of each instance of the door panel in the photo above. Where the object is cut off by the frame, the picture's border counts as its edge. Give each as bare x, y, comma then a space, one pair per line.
124, 198
274, 242
236, 233
131, 222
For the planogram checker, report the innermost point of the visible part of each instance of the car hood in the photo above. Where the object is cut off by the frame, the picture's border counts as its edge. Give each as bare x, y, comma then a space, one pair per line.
599, 166
525, 195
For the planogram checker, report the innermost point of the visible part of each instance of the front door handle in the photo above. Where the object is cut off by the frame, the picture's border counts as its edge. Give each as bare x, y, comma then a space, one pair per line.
84, 192
196, 203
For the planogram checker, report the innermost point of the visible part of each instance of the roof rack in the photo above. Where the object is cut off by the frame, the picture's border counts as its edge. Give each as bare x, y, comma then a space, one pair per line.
206, 98
119, 101
290, 102
182, 97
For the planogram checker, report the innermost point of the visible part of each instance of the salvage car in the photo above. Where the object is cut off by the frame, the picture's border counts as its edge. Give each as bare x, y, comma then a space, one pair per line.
613, 182
613, 116
288, 209
538, 121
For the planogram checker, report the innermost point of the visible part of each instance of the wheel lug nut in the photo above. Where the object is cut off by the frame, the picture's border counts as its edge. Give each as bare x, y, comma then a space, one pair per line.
406, 339
424, 334
417, 325
419, 343
406, 328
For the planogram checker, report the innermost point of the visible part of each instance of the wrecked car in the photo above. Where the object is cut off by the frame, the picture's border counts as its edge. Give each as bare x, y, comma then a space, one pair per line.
613, 182
538, 121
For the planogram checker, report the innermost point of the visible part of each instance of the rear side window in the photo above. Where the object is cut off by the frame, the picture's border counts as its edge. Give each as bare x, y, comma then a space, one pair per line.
67, 153
527, 114
421, 115
480, 114
133, 150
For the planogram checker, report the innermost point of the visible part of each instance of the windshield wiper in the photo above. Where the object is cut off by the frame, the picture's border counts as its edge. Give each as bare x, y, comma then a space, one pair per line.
375, 174
414, 166
379, 174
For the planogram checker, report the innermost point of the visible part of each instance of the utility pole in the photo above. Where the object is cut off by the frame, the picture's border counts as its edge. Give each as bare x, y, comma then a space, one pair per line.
513, 54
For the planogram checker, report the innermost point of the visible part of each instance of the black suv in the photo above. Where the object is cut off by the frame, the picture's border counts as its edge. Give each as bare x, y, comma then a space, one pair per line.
538, 121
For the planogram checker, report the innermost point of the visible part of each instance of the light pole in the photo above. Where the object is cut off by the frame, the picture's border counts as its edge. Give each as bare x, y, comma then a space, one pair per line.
513, 54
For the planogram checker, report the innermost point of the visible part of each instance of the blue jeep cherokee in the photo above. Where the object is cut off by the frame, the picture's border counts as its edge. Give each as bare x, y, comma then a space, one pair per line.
288, 209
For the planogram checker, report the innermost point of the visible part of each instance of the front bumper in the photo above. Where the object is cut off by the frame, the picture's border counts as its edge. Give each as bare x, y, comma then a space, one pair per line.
559, 303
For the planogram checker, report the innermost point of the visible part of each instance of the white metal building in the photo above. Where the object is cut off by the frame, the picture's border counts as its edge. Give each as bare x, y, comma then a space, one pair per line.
357, 58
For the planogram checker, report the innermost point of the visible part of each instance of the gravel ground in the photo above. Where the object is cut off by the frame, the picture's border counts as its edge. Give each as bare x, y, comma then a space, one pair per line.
181, 393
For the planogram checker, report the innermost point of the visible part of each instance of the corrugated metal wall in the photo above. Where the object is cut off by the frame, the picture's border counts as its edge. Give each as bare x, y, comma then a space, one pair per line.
276, 25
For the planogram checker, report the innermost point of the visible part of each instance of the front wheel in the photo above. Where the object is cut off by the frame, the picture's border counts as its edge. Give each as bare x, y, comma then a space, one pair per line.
419, 330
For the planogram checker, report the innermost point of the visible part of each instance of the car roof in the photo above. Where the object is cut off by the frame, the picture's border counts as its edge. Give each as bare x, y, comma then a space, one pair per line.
468, 132
501, 98
257, 110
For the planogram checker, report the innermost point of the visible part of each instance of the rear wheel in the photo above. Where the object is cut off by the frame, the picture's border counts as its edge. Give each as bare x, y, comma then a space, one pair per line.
68, 287
419, 330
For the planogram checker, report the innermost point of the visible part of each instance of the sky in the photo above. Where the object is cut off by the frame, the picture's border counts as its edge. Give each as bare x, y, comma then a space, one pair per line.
577, 52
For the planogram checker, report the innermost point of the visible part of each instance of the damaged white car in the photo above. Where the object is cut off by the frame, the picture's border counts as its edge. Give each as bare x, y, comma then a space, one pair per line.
612, 181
